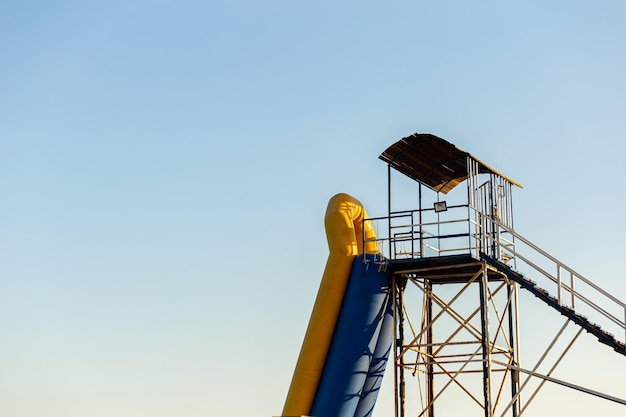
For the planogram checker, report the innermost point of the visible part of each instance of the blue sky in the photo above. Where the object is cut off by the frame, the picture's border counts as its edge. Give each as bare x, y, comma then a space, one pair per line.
165, 168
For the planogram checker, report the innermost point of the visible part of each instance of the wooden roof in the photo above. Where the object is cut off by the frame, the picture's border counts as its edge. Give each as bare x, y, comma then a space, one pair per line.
433, 161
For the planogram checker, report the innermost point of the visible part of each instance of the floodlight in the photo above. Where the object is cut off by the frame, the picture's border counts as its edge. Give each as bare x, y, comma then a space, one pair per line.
440, 206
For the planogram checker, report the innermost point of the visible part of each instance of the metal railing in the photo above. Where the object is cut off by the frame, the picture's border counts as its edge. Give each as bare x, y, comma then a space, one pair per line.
424, 233
570, 288
415, 234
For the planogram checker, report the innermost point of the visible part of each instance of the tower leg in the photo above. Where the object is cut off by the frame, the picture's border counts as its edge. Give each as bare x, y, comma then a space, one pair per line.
486, 352
513, 333
430, 389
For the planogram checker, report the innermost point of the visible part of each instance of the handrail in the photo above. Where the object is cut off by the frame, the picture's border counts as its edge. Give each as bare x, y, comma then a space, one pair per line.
570, 287
488, 235
556, 261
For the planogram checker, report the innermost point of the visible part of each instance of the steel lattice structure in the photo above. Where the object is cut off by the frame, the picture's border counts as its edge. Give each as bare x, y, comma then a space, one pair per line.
458, 266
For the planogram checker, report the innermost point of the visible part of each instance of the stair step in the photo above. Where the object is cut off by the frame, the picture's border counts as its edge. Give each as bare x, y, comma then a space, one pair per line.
581, 320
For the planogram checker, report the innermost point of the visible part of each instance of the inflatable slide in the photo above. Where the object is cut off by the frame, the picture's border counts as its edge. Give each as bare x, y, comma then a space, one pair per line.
350, 332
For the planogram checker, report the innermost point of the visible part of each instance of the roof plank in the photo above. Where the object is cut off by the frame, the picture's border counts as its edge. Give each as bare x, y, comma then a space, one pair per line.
433, 161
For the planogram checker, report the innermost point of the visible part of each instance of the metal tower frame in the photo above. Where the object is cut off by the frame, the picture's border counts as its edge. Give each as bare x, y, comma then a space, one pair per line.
466, 337
457, 269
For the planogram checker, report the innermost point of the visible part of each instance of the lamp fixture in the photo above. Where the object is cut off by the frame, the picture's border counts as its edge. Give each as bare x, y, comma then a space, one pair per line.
440, 206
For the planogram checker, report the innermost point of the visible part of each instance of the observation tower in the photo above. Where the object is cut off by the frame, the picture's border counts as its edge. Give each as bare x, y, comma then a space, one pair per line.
457, 266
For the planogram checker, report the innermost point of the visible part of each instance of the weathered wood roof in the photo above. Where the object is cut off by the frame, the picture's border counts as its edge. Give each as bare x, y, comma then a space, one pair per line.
433, 161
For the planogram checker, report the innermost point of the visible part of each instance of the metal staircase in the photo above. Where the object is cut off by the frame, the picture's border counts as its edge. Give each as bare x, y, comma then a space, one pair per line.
571, 295
603, 336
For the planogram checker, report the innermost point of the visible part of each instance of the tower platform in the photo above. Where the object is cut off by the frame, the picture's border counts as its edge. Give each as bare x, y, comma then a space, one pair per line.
451, 269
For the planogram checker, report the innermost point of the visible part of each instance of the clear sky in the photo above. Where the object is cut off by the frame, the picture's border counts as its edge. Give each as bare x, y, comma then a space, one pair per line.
165, 167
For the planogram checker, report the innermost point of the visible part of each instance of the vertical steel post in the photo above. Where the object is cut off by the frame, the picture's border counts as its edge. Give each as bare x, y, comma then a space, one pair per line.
485, 340
492, 214
430, 388
470, 181
510, 293
625, 322
400, 348
389, 209
421, 221
572, 289
396, 348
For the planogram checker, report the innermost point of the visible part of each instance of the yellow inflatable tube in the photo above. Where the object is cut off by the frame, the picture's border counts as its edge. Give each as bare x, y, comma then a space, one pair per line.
344, 232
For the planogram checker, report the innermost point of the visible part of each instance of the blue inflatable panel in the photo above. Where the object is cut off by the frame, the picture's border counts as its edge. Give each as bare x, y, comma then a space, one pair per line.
374, 379
354, 342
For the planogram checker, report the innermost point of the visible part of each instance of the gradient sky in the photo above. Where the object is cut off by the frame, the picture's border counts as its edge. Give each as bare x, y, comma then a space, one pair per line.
165, 167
